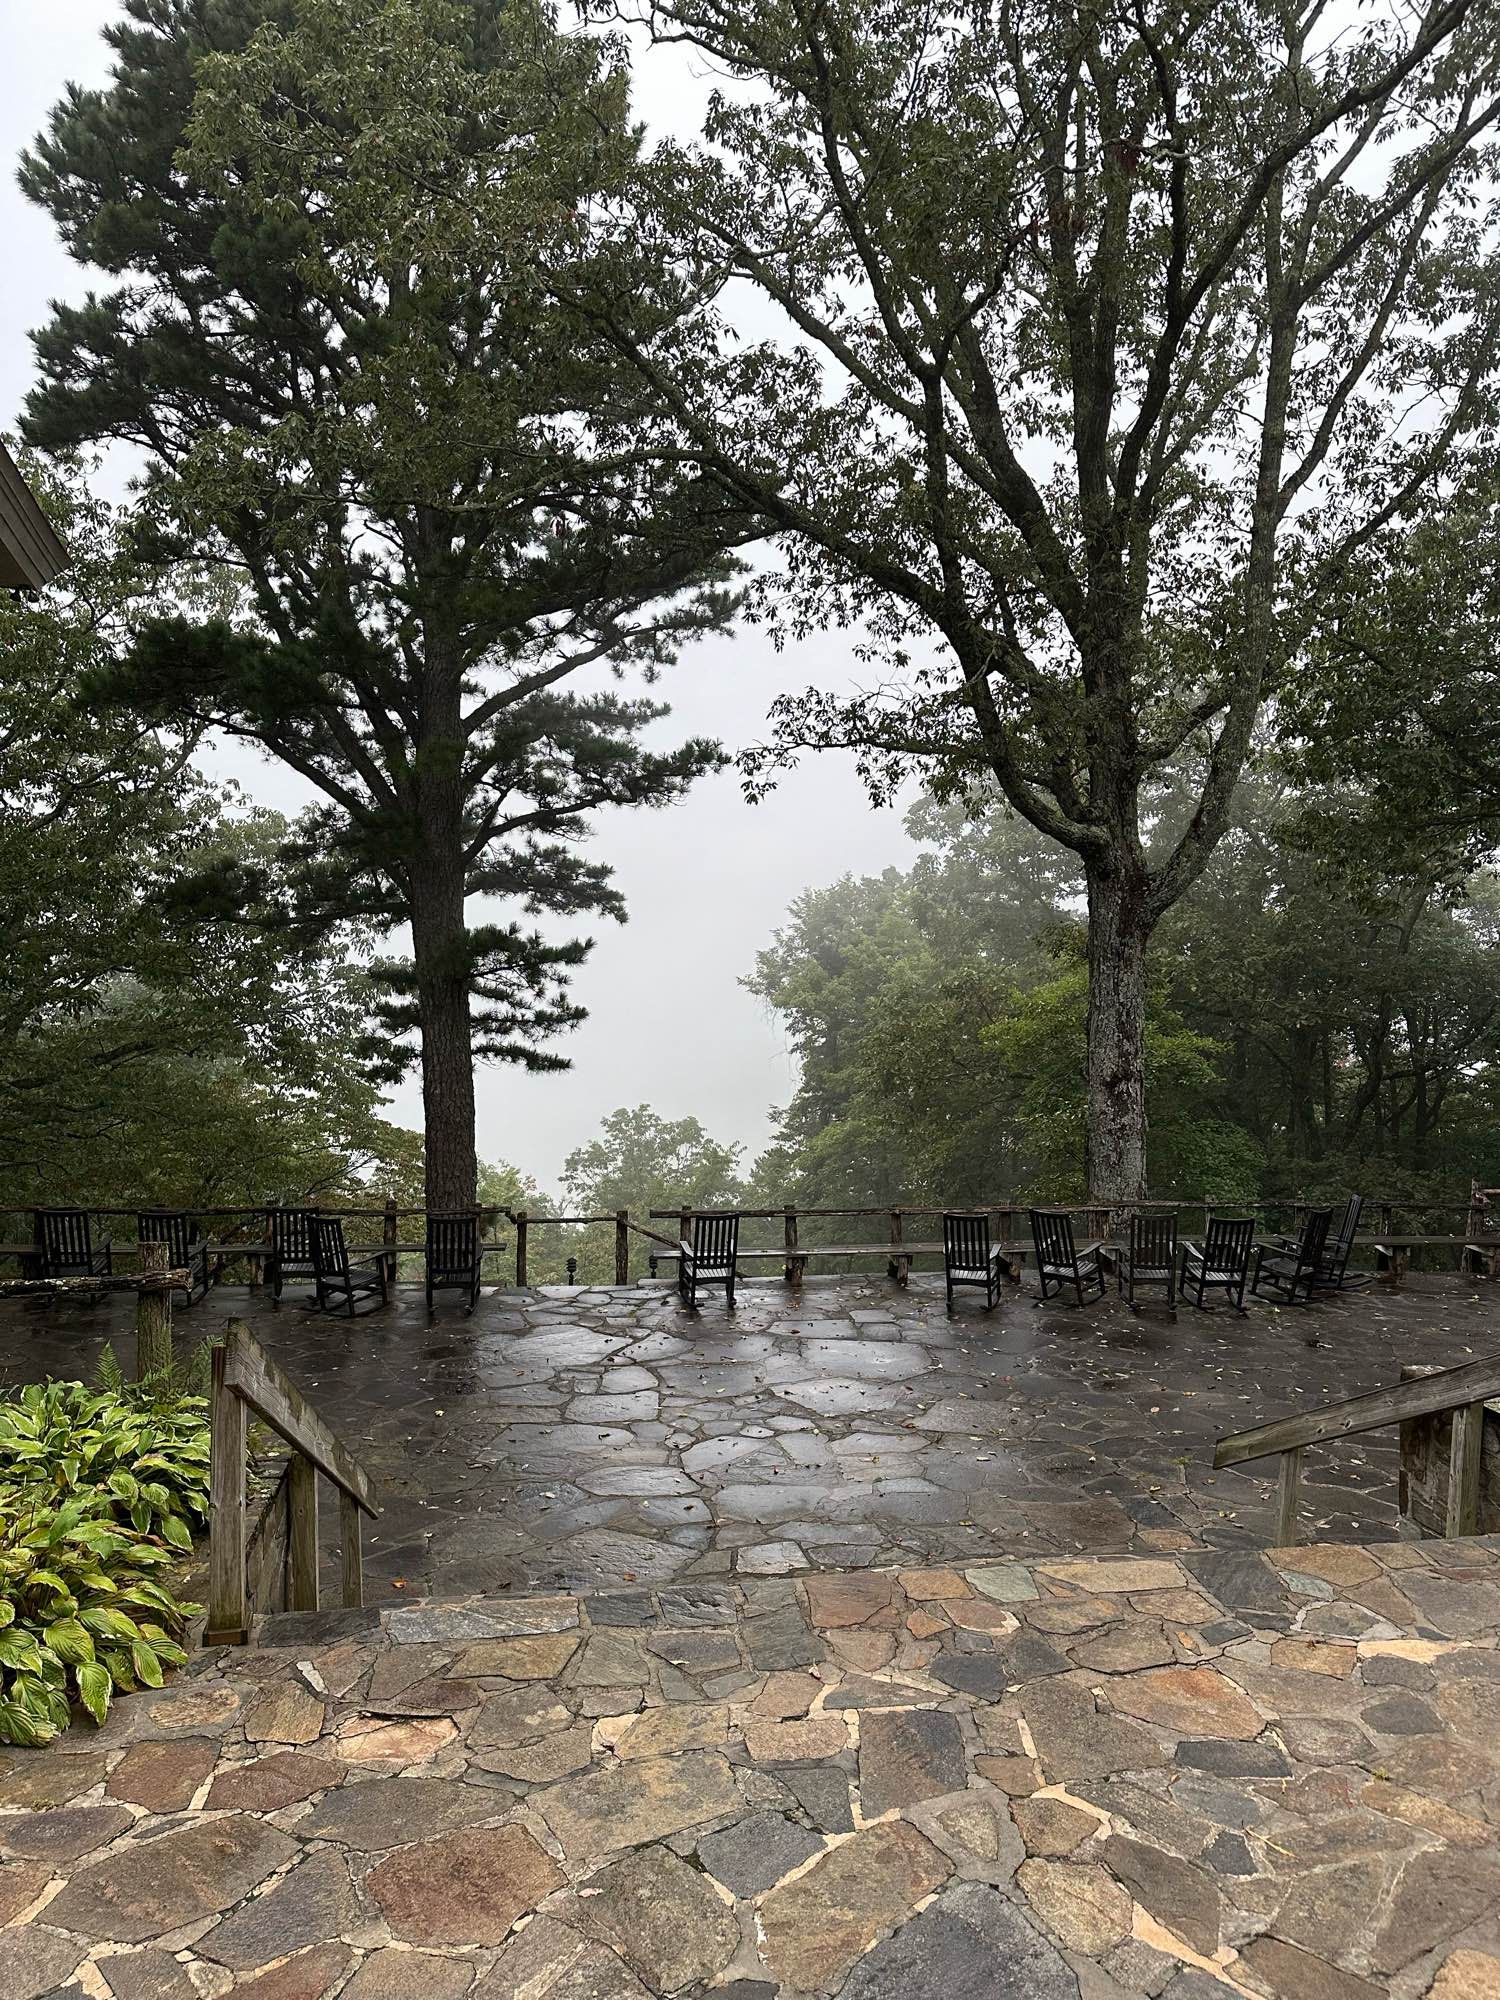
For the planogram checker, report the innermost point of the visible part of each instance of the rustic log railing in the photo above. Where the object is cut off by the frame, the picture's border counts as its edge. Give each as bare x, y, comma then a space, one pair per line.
1462, 1391
153, 1286
246, 1380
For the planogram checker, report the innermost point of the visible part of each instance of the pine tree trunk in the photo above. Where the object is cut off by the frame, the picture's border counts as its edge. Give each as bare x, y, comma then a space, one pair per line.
438, 941
1115, 1147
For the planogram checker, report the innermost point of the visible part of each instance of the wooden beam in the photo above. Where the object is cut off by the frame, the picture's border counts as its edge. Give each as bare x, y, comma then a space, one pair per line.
302, 1538
1473, 1382
1463, 1470
228, 1610
153, 1316
251, 1372
1286, 1497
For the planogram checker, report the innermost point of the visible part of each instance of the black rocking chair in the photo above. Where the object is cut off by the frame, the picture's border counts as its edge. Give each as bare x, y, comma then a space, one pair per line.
65, 1245
709, 1258
186, 1249
455, 1256
289, 1233
338, 1281
1058, 1262
1333, 1273
970, 1258
1151, 1258
1293, 1274
1221, 1265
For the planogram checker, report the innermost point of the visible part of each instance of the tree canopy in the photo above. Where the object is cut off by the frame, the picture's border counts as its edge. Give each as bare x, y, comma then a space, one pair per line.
338, 230
1111, 339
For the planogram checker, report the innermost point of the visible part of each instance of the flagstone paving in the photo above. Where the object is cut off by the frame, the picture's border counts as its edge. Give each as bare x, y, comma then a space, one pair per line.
570, 1439
1183, 1775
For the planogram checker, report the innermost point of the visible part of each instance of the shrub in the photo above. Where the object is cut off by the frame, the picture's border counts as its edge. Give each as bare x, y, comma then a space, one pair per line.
81, 1613
145, 1453
98, 1489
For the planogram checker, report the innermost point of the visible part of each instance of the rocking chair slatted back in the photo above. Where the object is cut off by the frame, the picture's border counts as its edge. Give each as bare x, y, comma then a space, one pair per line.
66, 1241
966, 1242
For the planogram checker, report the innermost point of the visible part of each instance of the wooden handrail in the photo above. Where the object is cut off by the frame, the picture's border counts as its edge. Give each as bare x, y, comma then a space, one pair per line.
245, 1378
1463, 1391
1430, 1396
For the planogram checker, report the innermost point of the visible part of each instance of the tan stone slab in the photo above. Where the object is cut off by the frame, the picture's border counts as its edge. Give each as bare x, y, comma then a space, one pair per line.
1329, 1560
1315, 1656
922, 1584
535, 1657
1099, 1574
673, 1728
1467, 1975
163, 1776
1416, 1809
852, 1599
394, 1742
816, 1927
796, 1742
1080, 1902
1051, 1827
1190, 1701
786, 1695
290, 1713
463, 1888
628, 1804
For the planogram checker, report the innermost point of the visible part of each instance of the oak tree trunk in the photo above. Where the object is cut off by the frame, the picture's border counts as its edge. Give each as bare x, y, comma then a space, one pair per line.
1115, 1147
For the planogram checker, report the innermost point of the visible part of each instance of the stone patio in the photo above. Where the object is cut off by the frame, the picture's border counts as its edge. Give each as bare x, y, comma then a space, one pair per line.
1063, 1779
568, 1440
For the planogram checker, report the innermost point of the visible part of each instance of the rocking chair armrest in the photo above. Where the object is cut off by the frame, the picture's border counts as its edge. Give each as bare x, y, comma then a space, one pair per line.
684, 1248
1091, 1249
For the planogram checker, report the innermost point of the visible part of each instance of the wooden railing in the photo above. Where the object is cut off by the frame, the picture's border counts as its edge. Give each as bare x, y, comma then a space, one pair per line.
246, 1380
1463, 1391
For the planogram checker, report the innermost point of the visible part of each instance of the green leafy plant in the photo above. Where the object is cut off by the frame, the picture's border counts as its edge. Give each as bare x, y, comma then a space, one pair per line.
142, 1452
82, 1613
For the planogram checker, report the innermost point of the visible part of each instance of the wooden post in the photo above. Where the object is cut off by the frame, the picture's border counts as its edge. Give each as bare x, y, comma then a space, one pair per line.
227, 1608
622, 1246
520, 1246
388, 1223
352, 1565
899, 1267
302, 1539
1286, 1497
153, 1317
792, 1269
1463, 1470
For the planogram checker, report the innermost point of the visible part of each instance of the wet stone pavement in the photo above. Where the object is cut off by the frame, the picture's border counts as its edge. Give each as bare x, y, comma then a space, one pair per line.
571, 1439
1182, 1776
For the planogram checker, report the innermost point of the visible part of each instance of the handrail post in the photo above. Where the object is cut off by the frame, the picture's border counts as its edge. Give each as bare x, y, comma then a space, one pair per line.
153, 1316
520, 1246
792, 1267
227, 1607
899, 1267
1288, 1481
622, 1246
1464, 1451
352, 1561
388, 1229
302, 1534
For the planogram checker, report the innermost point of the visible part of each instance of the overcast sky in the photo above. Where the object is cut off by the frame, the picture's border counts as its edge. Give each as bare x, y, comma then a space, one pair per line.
706, 881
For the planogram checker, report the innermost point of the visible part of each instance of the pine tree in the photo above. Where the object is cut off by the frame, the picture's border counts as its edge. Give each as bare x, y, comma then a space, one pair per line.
337, 227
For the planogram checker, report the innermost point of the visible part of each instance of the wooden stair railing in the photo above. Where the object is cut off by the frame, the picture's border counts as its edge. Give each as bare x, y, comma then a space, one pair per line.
1463, 1391
245, 1378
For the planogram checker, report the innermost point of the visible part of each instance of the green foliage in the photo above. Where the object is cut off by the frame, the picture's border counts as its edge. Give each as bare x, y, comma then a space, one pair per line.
166, 1032
99, 1494
141, 1450
1313, 1022
639, 1161
83, 1613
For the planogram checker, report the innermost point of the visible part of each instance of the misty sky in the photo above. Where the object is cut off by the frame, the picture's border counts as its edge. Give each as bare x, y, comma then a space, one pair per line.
706, 881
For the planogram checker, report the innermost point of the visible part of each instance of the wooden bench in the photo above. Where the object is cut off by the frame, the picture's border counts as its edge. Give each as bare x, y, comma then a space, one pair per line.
897, 1256
1478, 1258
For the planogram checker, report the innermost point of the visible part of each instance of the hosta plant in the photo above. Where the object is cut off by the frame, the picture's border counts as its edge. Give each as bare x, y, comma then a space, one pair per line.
83, 1612
144, 1453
